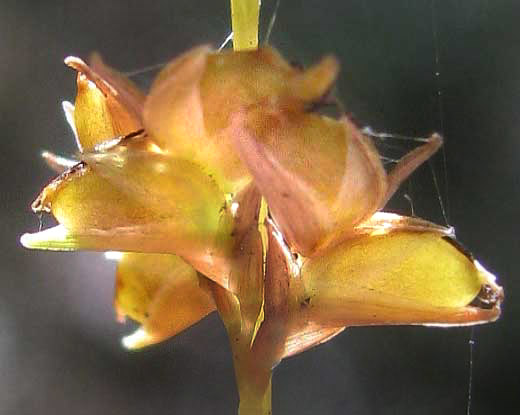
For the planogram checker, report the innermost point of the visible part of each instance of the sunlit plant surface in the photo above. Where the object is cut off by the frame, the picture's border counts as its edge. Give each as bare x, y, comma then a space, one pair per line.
224, 188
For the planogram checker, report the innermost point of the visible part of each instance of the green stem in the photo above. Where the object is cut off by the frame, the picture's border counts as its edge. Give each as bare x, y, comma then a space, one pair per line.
254, 385
253, 379
244, 19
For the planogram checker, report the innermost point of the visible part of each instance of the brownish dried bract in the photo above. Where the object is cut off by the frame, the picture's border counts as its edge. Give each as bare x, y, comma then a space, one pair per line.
103, 110
163, 293
321, 177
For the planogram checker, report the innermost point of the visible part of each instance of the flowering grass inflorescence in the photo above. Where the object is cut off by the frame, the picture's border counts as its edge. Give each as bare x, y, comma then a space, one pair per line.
225, 190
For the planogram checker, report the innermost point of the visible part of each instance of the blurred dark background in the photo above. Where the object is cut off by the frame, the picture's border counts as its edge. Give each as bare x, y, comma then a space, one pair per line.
60, 347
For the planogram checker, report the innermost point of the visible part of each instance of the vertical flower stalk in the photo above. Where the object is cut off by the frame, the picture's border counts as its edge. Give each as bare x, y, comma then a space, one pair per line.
244, 21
